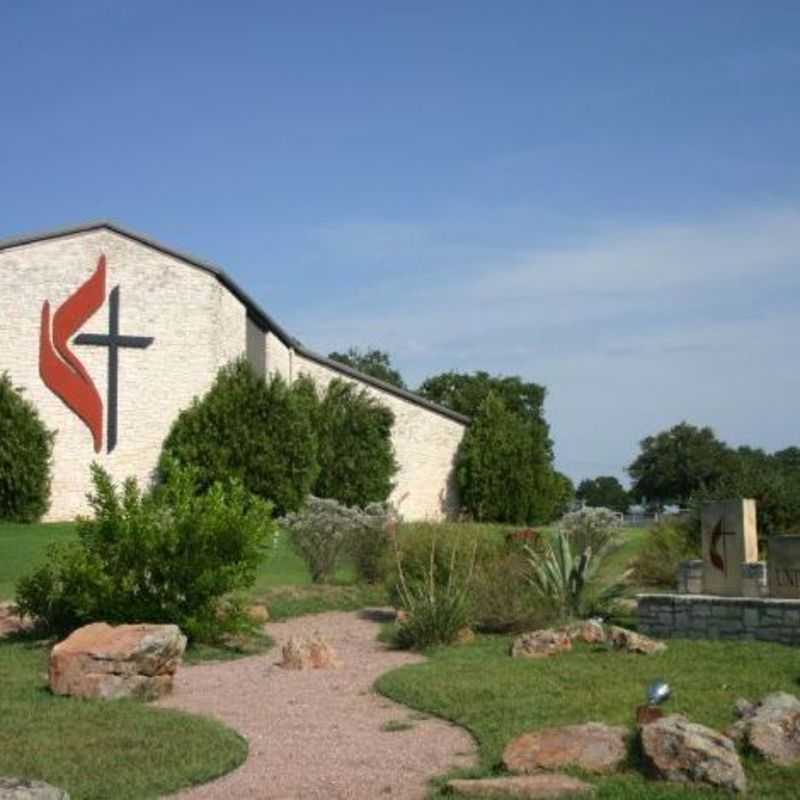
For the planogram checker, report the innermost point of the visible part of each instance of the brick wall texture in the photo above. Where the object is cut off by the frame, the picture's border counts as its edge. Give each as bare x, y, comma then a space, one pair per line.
198, 325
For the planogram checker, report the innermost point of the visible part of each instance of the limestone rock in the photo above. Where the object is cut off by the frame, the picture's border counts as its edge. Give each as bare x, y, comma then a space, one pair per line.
258, 613
465, 636
99, 660
314, 653
11, 622
544, 786
590, 631
632, 642
541, 644
21, 789
678, 750
771, 727
593, 747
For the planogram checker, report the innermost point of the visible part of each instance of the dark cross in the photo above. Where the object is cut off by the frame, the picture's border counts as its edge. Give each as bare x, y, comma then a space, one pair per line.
113, 341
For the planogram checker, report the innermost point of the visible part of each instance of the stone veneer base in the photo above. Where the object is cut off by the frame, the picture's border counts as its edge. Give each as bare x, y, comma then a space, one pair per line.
700, 616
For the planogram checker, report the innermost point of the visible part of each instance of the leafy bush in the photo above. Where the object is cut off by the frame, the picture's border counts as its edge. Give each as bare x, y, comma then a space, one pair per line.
166, 557
438, 603
503, 469
258, 431
568, 581
595, 528
369, 543
26, 448
665, 545
324, 530
354, 435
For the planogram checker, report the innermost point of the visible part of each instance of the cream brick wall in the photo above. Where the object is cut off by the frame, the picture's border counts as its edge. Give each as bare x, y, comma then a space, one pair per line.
198, 325
425, 445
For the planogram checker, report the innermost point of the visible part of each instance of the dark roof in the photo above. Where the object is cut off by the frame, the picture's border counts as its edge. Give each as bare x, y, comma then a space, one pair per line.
254, 310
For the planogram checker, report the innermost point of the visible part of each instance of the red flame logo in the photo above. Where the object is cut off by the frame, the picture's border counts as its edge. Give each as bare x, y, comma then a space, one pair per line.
60, 369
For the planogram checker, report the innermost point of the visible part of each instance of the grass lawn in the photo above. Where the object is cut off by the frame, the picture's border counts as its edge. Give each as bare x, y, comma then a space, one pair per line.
496, 697
98, 750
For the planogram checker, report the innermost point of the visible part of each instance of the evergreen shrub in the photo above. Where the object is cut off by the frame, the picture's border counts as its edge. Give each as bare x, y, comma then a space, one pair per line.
503, 469
166, 557
259, 431
26, 448
354, 437
665, 545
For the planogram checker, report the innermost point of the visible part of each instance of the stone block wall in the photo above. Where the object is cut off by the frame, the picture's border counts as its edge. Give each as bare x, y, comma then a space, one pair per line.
697, 616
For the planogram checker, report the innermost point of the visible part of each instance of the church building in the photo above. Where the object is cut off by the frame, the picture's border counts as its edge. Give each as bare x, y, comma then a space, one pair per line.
112, 334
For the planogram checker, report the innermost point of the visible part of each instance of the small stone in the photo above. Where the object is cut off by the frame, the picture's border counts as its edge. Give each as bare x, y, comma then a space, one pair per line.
21, 789
589, 631
258, 613
677, 750
300, 653
527, 787
632, 642
465, 636
108, 662
593, 747
12, 622
541, 644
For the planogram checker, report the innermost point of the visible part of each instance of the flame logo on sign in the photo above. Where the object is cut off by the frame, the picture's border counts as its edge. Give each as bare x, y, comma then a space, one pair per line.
60, 369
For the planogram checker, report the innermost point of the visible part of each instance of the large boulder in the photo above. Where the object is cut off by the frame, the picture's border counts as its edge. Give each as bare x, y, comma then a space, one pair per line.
528, 787
541, 644
99, 660
631, 642
677, 750
315, 653
771, 727
22, 789
593, 747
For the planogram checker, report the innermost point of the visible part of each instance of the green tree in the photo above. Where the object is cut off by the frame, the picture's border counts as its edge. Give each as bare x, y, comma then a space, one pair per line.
503, 472
26, 448
465, 392
354, 435
372, 362
604, 491
675, 463
258, 431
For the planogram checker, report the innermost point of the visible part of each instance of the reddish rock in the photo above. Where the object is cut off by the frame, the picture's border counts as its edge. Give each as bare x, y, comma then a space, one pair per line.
632, 642
111, 662
593, 747
527, 787
589, 631
541, 644
771, 727
675, 749
300, 653
12, 622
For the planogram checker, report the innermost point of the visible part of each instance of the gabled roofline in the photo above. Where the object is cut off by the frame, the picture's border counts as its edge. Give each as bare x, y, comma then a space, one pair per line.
254, 310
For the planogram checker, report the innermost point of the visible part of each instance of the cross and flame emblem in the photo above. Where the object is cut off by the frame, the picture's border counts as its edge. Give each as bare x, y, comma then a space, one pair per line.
62, 371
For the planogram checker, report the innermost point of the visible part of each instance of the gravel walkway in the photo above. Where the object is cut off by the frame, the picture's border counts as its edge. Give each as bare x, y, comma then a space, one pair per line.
319, 733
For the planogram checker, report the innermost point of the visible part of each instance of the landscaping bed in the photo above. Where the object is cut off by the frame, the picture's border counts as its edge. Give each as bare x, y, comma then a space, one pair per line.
498, 698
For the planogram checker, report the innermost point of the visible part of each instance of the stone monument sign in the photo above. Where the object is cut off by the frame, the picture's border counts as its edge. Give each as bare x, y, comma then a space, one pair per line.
783, 567
729, 540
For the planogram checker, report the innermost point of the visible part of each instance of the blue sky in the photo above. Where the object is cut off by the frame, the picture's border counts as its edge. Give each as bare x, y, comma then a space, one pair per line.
603, 197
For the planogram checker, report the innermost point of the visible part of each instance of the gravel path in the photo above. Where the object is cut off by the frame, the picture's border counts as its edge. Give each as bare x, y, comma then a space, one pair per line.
319, 733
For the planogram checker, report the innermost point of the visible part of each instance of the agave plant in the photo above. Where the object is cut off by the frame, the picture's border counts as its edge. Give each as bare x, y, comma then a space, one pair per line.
570, 582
